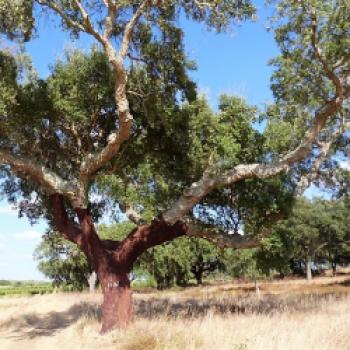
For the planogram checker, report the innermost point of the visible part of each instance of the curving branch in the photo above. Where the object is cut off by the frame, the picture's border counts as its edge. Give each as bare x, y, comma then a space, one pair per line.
94, 161
60, 11
38, 173
147, 236
131, 214
127, 36
87, 24
318, 53
220, 238
64, 225
84, 26
324, 150
213, 178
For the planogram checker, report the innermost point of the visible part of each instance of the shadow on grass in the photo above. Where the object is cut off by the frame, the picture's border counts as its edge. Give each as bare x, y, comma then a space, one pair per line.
250, 304
345, 283
36, 325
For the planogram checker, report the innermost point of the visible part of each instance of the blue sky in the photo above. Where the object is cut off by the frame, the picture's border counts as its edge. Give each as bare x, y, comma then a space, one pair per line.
234, 63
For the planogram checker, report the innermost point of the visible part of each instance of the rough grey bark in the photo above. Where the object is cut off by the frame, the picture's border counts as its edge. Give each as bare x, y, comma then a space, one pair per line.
48, 179
220, 238
325, 148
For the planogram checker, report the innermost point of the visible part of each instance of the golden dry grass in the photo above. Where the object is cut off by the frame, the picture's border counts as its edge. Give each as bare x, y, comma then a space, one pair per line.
288, 315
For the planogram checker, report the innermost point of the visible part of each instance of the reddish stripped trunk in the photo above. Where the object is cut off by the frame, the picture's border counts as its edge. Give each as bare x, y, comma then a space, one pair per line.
117, 302
112, 260
117, 295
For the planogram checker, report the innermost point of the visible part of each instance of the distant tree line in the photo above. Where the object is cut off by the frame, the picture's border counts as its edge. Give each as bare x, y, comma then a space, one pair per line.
315, 235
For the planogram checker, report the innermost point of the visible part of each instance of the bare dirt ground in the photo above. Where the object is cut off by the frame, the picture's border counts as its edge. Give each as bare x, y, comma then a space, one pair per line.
288, 315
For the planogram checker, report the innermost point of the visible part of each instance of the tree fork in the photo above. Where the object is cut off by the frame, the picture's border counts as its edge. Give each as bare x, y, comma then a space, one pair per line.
112, 260
112, 274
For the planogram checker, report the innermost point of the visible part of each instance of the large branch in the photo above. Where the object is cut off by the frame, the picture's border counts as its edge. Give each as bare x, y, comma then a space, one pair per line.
318, 53
84, 234
64, 225
132, 214
213, 178
94, 161
48, 179
159, 231
86, 22
84, 26
145, 237
221, 238
324, 150
130, 27
60, 11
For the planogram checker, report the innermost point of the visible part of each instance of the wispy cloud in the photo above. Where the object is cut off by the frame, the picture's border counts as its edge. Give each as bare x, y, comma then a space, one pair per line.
28, 235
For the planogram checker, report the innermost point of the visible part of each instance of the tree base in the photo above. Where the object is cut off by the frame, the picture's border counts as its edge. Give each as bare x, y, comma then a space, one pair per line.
116, 309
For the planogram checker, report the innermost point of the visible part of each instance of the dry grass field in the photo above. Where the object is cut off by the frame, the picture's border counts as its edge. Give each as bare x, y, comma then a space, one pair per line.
288, 315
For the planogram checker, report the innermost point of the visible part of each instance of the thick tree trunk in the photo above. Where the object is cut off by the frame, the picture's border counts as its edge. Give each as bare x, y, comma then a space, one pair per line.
112, 260
308, 268
117, 301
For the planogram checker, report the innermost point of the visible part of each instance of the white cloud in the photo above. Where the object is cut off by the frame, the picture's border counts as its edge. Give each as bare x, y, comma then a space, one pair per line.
28, 235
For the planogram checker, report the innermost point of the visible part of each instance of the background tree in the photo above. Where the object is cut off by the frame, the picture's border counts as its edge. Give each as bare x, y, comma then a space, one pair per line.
179, 261
63, 262
206, 259
241, 263
122, 111
315, 229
